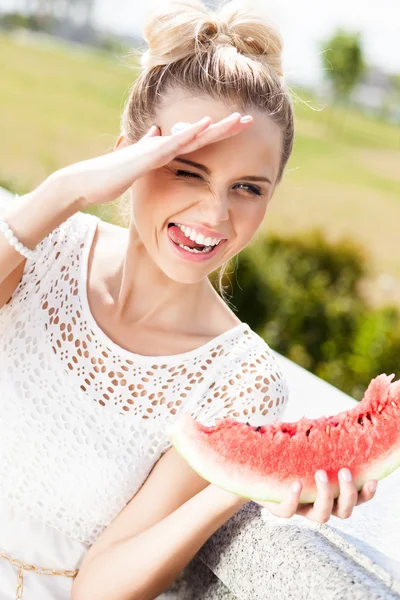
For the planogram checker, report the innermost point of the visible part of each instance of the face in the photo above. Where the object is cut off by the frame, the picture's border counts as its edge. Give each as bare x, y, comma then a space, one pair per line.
216, 193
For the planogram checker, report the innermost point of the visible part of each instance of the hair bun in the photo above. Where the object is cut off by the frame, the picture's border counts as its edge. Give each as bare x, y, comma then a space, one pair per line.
178, 29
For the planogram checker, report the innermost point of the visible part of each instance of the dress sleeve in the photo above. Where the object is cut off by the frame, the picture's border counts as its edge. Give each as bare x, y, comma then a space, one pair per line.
251, 389
48, 255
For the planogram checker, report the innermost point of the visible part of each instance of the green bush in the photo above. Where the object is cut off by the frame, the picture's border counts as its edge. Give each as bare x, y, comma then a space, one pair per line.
376, 347
302, 296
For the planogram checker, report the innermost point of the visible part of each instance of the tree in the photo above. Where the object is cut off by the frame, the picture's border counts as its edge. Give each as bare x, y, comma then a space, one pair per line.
343, 61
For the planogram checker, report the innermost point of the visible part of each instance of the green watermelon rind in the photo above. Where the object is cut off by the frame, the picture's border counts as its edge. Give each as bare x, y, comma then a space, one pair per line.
208, 468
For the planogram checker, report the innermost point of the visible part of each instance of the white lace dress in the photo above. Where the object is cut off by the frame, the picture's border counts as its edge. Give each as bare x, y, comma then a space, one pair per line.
82, 420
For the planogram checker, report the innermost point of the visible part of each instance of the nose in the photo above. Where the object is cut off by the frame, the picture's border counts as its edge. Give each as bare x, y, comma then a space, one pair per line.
214, 208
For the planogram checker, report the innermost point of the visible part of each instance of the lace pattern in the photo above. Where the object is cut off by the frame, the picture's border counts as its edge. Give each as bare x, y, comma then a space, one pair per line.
82, 421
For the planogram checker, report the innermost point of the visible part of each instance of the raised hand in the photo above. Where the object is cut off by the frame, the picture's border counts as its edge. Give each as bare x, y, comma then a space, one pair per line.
104, 178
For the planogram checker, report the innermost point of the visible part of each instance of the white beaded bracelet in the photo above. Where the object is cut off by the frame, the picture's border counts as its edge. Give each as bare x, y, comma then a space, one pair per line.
8, 233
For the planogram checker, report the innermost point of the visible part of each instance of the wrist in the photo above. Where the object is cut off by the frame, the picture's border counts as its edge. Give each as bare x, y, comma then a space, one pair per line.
58, 189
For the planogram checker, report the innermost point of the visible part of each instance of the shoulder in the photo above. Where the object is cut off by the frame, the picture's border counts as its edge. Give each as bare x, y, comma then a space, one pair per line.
61, 246
70, 234
64, 243
260, 368
250, 385
109, 239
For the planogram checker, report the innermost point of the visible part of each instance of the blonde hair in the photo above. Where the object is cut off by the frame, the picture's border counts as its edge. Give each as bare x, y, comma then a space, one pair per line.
232, 54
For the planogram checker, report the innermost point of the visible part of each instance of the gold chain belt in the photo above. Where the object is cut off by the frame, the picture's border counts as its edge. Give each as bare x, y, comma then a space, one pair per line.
39, 570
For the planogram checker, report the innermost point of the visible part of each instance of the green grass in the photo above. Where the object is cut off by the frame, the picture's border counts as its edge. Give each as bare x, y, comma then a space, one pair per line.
56, 107
347, 126
59, 105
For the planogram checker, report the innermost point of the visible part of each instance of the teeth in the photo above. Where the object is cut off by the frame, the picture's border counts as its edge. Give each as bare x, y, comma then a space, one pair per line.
194, 250
198, 237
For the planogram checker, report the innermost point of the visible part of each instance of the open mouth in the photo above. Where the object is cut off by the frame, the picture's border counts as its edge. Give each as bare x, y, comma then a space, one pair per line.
179, 238
190, 249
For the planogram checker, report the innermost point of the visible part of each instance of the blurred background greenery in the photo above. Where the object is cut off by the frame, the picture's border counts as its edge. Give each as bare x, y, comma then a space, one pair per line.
321, 281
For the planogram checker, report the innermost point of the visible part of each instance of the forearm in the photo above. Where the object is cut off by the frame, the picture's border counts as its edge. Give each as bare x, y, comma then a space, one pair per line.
34, 216
142, 567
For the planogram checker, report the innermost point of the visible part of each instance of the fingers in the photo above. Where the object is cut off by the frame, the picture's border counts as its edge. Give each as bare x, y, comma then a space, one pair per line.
184, 136
287, 508
343, 506
348, 496
231, 125
193, 137
203, 132
171, 145
367, 493
325, 505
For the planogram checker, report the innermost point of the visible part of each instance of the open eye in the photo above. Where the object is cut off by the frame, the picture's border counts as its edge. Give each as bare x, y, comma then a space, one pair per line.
251, 190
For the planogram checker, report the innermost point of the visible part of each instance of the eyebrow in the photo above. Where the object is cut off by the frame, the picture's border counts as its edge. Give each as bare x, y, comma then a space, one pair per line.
185, 161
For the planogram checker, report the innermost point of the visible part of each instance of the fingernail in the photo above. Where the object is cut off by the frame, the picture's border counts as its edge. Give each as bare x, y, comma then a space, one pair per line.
345, 474
372, 487
246, 119
296, 486
322, 476
233, 116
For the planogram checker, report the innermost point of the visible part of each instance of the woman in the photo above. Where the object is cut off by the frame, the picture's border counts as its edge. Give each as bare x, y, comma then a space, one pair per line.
108, 333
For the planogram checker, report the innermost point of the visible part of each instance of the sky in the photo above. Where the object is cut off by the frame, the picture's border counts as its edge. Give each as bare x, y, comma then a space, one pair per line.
303, 24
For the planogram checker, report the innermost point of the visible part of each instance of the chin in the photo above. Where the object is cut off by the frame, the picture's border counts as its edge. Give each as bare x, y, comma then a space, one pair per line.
184, 275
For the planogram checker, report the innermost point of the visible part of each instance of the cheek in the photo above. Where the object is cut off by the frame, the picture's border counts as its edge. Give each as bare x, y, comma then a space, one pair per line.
249, 217
156, 198
149, 202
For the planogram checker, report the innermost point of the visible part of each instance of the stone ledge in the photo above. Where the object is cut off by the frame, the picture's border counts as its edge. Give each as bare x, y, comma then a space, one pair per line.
255, 560
197, 581
260, 560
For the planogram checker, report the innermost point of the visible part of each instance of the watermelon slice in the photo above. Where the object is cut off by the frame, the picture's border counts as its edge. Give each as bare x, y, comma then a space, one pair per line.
262, 462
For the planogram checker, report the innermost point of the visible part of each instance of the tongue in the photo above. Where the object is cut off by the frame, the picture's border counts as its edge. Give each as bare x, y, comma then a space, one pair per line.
179, 237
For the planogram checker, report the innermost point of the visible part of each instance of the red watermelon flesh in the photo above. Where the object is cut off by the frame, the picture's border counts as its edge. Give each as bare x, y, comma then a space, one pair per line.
262, 462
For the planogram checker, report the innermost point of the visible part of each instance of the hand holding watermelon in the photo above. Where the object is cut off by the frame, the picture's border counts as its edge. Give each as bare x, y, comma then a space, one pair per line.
325, 505
262, 463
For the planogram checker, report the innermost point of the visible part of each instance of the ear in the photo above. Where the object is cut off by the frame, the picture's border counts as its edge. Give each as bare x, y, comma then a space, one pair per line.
121, 143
